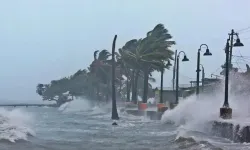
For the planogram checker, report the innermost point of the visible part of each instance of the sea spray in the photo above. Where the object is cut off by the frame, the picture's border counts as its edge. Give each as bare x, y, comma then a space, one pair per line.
83, 105
197, 113
76, 105
15, 125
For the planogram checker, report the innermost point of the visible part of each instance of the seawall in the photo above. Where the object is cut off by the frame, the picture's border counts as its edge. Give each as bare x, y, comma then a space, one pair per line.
231, 131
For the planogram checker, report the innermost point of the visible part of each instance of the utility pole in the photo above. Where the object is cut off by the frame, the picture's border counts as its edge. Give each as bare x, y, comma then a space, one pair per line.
231, 48
198, 73
174, 70
226, 104
226, 111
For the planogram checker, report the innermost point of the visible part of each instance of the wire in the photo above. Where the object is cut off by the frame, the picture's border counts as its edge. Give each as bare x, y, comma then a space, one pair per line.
245, 59
244, 32
241, 56
243, 29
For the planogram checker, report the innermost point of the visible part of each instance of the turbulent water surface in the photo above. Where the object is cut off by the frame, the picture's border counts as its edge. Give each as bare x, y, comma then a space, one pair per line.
78, 126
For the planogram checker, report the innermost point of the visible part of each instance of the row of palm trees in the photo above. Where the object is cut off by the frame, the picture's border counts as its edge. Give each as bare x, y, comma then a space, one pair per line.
134, 64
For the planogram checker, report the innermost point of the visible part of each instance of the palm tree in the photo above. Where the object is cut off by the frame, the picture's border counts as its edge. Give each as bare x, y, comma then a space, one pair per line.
151, 51
140, 85
101, 70
136, 60
114, 107
125, 67
156, 50
131, 69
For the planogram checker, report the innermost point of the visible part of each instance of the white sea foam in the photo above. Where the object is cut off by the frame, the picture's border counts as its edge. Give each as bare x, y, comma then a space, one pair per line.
195, 113
15, 125
75, 106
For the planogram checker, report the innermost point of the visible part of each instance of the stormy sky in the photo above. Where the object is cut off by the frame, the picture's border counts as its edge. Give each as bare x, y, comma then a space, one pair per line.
42, 40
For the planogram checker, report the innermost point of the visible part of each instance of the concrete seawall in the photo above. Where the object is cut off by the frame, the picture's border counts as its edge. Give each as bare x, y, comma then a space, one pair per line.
231, 131
224, 129
221, 128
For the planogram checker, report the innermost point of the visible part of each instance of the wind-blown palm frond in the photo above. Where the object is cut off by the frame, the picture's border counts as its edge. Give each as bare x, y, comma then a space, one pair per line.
103, 55
95, 54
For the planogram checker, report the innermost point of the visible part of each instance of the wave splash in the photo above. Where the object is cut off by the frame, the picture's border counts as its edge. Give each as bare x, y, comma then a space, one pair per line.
76, 106
195, 113
190, 143
194, 116
14, 125
99, 110
83, 105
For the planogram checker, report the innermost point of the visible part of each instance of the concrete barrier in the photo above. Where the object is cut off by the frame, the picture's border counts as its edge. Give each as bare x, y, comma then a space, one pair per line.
152, 115
231, 131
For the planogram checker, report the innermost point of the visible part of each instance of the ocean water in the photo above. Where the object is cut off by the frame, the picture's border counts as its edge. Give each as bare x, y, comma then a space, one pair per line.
79, 126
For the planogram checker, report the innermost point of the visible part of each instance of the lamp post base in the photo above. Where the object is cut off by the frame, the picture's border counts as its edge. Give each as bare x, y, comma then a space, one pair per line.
142, 106
161, 107
226, 113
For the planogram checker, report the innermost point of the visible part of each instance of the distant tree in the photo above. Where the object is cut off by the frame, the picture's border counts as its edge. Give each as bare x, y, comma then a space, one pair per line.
134, 64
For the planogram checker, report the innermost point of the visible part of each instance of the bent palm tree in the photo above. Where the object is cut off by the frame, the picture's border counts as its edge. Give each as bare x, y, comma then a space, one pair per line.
151, 51
114, 107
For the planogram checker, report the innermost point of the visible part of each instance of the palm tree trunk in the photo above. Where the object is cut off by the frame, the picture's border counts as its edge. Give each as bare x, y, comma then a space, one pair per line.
107, 91
128, 85
136, 85
107, 97
161, 93
145, 89
98, 93
114, 108
133, 86
120, 89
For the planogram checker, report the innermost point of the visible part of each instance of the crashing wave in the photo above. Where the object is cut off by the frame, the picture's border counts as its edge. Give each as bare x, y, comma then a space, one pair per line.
13, 125
64, 106
76, 105
191, 143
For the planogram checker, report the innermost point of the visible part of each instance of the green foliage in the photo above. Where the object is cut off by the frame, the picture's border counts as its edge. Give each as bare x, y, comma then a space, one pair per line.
135, 62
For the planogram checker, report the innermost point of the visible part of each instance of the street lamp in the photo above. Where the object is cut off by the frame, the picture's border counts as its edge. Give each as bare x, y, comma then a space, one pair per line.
237, 43
161, 106
203, 77
177, 75
207, 53
226, 111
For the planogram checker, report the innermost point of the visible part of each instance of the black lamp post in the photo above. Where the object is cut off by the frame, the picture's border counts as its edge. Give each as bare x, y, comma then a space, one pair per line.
226, 111
207, 53
177, 75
